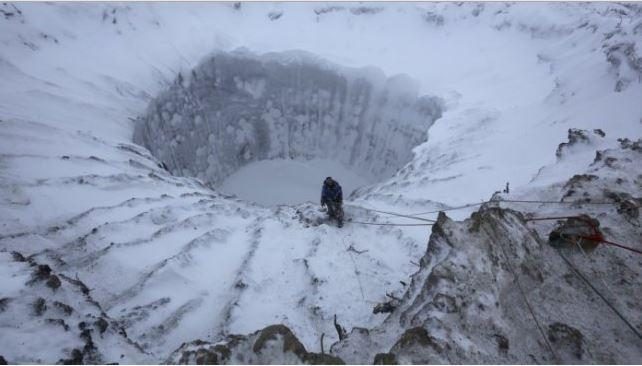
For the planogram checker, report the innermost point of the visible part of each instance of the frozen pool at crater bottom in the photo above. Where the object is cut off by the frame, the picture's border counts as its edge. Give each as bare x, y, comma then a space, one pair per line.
284, 181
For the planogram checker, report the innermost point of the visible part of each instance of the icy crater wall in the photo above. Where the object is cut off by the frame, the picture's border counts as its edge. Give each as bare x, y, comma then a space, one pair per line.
236, 108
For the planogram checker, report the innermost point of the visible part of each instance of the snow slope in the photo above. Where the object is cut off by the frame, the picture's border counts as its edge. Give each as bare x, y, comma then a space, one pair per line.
165, 260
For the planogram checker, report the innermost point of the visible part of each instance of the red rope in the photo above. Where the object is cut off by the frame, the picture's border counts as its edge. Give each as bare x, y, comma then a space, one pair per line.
614, 244
597, 236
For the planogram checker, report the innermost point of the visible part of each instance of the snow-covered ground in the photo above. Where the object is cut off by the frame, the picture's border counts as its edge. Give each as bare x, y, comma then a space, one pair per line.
164, 259
285, 181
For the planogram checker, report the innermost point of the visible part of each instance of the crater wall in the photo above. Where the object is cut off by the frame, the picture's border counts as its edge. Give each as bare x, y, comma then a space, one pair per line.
236, 108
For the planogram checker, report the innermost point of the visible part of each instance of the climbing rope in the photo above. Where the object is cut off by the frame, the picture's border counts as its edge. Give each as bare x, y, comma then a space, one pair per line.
449, 209
528, 305
595, 237
561, 202
579, 274
414, 216
511, 201
387, 224
401, 215
606, 286
356, 270
615, 244
555, 218
394, 213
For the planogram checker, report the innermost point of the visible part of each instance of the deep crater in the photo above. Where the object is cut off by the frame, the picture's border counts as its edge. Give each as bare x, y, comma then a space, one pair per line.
235, 110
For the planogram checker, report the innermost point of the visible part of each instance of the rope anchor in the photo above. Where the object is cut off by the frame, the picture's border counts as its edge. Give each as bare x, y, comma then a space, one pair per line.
581, 229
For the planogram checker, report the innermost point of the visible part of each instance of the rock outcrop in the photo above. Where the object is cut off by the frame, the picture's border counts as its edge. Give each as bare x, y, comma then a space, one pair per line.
500, 288
275, 344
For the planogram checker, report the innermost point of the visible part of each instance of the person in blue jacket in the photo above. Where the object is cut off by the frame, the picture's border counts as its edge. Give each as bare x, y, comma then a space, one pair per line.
332, 197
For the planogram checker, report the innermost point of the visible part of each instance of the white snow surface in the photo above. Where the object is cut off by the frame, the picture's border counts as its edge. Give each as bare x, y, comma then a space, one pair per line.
170, 260
285, 181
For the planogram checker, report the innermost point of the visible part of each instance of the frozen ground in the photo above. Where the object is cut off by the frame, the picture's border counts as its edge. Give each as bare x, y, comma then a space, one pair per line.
285, 181
110, 258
